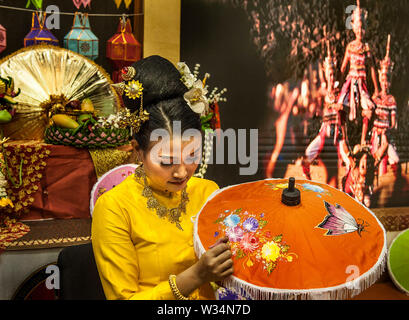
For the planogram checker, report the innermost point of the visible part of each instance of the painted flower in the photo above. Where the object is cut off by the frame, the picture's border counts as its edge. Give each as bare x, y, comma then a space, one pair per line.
270, 251
251, 224
235, 234
311, 187
249, 242
231, 220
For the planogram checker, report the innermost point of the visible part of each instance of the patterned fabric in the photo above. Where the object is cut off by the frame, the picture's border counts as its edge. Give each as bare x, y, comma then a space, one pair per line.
107, 159
31, 157
10, 231
385, 109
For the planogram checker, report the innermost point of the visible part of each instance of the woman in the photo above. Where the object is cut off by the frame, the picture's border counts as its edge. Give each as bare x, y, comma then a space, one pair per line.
142, 230
354, 92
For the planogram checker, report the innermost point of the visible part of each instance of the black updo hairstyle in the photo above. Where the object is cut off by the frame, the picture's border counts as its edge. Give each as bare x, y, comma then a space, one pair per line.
162, 97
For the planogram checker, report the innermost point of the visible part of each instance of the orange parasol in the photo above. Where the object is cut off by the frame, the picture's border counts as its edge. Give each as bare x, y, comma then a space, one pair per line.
293, 240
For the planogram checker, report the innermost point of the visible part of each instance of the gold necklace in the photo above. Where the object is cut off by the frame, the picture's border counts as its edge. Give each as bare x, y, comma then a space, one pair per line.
173, 214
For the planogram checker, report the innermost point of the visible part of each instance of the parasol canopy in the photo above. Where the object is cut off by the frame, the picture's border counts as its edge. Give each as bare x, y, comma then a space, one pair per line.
306, 241
49, 75
109, 180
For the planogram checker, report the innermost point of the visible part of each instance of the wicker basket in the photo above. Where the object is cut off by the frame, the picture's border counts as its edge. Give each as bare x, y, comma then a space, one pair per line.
100, 138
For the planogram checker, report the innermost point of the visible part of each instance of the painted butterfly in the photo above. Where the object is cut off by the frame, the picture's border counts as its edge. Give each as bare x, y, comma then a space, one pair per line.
339, 221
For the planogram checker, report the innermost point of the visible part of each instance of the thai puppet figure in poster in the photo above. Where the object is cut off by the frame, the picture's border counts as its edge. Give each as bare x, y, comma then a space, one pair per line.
333, 123
354, 92
383, 150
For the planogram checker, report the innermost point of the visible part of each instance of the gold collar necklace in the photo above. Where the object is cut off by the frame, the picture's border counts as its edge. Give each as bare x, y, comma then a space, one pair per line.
173, 214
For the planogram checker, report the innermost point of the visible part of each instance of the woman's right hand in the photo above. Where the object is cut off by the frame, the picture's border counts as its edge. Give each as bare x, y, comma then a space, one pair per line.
216, 263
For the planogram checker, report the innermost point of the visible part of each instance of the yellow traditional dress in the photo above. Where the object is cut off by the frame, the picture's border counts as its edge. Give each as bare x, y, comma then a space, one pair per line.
136, 250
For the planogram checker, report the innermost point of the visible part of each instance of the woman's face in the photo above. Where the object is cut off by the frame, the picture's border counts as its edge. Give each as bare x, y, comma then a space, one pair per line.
383, 79
358, 30
170, 163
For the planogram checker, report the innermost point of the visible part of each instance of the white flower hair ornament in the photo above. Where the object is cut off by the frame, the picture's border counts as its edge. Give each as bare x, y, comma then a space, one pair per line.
196, 98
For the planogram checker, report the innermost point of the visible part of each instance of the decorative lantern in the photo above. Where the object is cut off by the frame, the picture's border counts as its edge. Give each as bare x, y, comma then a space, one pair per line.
3, 39
81, 39
122, 48
39, 32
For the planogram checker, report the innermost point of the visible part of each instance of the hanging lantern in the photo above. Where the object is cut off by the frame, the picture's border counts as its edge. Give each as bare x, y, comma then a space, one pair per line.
39, 32
81, 39
122, 48
3, 39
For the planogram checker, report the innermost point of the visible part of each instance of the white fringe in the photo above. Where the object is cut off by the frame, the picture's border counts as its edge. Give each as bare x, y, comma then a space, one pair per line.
340, 292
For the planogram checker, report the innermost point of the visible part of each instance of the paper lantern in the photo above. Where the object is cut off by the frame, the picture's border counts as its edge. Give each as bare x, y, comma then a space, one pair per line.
123, 49
81, 39
39, 32
3, 39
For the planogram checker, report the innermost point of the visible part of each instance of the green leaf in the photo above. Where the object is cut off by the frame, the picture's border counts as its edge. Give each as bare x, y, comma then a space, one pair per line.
278, 238
262, 223
218, 220
240, 254
285, 248
270, 267
38, 4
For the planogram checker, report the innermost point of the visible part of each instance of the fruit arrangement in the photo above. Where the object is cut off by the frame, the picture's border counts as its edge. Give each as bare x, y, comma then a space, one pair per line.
7, 95
77, 125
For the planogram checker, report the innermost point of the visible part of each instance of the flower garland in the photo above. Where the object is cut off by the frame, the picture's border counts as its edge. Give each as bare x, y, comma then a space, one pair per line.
199, 102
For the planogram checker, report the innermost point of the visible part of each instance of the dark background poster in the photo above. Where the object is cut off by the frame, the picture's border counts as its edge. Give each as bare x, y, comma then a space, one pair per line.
258, 48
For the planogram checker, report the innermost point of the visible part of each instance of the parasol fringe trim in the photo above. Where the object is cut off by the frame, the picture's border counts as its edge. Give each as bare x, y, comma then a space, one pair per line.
341, 292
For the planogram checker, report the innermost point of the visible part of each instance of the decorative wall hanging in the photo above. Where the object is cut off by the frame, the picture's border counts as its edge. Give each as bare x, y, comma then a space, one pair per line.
81, 39
49, 77
303, 240
127, 3
85, 3
39, 34
3, 38
38, 4
122, 48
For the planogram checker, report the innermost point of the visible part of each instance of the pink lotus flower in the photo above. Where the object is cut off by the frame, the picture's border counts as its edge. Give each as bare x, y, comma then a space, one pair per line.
249, 242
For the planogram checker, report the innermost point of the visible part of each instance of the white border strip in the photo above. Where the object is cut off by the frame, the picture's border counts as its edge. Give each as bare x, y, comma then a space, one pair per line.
343, 291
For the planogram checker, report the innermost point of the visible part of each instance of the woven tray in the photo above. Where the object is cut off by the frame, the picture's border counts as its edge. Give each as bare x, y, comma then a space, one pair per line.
100, 138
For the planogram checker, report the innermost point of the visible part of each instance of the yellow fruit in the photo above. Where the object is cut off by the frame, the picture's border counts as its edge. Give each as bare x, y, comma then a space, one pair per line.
64, 121
86, 105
